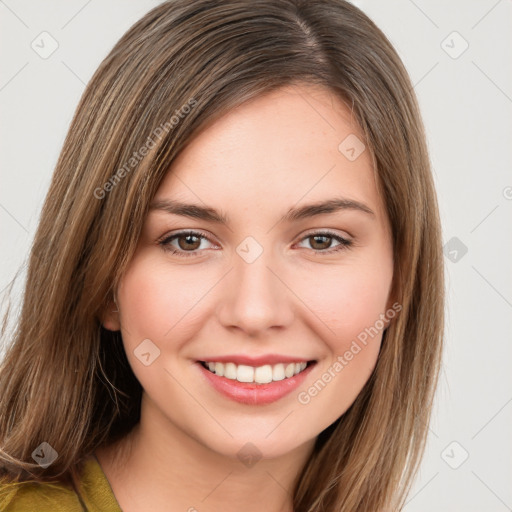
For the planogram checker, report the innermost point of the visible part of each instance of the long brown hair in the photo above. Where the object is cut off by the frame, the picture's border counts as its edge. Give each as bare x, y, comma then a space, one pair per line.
65, 380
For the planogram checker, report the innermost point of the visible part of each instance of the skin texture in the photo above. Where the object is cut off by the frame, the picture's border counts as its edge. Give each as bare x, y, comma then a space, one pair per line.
272, 153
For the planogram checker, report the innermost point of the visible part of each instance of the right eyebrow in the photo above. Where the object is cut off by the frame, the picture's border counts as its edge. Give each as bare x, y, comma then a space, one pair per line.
194, 211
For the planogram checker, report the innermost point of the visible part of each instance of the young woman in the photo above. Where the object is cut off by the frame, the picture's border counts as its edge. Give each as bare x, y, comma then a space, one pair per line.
235, 294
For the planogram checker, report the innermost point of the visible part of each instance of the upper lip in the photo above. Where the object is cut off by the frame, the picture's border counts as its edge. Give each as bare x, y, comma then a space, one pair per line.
255, 360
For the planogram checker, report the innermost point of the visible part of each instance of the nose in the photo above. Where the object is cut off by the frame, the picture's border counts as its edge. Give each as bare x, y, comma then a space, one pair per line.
256, 297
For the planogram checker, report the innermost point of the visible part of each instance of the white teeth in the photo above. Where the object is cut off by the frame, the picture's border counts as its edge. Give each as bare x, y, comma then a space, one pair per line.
230, 370
219, 369
243, 373
263, 374
260, 375
289, 371
278, 372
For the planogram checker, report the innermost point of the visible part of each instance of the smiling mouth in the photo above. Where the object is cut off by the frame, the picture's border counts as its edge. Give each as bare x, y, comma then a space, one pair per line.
256, 374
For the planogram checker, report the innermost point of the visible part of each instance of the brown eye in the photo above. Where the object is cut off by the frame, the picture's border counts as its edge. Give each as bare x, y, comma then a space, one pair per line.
321, 242
188, 243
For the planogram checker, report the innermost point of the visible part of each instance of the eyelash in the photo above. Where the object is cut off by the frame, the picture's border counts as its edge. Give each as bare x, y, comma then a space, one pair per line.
165, 243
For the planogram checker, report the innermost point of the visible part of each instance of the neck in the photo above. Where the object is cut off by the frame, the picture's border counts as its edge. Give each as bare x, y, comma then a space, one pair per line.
158, 466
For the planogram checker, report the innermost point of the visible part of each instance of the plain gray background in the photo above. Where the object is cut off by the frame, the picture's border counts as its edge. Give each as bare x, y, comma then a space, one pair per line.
458, 55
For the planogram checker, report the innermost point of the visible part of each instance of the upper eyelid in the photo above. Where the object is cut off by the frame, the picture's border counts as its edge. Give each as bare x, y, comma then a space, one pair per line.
183, 232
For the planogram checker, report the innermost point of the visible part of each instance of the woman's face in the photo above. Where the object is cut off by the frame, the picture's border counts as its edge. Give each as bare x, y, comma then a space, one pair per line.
277, 282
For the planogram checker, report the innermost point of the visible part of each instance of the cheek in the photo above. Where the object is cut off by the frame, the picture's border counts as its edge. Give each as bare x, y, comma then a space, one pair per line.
352, 306
157, 300
347, 300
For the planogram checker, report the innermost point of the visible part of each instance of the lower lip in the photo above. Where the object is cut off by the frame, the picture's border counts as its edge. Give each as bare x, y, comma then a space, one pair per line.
250, 393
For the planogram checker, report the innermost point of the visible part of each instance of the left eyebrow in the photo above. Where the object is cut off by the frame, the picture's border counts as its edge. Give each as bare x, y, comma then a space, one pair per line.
323, 207
293, 214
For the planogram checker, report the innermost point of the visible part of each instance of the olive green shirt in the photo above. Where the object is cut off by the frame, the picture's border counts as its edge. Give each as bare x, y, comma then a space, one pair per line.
94, 494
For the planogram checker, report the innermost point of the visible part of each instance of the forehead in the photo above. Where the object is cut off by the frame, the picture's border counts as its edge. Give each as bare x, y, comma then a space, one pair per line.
275, 149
